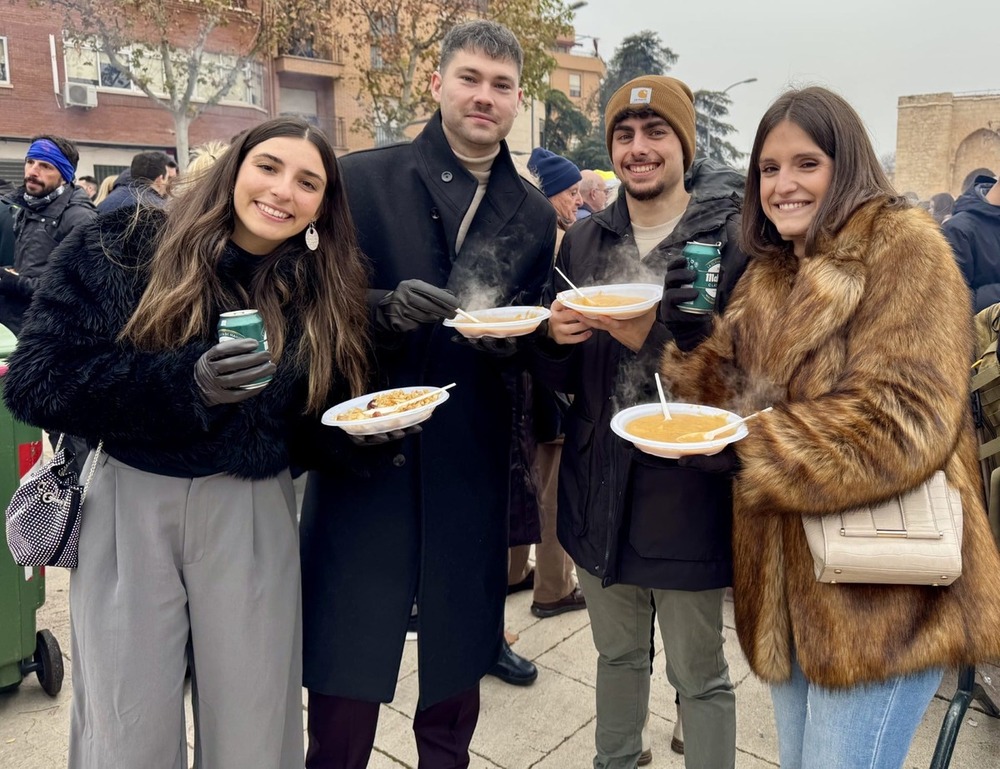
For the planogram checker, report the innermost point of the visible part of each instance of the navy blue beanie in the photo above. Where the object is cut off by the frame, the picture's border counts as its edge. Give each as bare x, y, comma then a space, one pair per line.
555, 172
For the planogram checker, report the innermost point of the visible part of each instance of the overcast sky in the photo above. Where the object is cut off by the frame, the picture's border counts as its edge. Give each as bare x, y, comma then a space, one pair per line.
870, 51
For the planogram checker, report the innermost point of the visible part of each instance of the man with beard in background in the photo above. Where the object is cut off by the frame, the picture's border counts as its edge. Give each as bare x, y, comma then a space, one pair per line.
646, 531
425, 516
46, 209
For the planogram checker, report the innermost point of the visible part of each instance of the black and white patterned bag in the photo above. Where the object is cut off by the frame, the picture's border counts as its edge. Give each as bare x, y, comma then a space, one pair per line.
43, 517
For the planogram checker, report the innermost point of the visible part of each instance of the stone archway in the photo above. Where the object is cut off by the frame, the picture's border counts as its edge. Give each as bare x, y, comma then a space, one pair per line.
981, 148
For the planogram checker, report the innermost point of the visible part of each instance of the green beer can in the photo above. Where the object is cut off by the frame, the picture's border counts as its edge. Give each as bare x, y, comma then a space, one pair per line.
245, 324
705, 259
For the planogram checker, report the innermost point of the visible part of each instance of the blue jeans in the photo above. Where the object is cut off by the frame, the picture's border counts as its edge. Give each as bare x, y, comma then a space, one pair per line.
867, 726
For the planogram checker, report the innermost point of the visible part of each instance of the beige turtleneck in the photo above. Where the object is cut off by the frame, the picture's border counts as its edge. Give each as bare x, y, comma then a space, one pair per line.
480, 168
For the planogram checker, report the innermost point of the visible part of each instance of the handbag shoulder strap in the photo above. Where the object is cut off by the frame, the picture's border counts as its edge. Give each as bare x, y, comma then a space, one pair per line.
93, 467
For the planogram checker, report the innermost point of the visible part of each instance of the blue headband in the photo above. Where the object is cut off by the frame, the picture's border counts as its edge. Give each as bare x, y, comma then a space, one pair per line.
46, 150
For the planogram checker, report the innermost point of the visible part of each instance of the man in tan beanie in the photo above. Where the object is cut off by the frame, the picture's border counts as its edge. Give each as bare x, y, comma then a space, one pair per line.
645, 531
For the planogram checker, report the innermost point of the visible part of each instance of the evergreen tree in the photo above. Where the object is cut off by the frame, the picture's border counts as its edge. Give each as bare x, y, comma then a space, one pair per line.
640, 54
711, 107
564, 124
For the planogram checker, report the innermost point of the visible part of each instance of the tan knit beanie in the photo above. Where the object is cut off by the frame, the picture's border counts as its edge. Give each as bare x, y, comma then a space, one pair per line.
667, 97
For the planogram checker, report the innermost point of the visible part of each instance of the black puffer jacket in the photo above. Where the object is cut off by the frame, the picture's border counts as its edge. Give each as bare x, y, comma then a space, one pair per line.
625, 516
38, 229
6, 235
71, 374
974, 234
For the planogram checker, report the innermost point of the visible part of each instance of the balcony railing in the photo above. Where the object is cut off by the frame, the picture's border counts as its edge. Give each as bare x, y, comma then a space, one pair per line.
316, 44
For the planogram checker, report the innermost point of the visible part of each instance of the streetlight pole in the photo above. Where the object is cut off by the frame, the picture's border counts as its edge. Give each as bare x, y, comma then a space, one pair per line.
708, 128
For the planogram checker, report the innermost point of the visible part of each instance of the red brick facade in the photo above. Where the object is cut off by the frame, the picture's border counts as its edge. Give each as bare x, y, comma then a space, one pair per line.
121, 124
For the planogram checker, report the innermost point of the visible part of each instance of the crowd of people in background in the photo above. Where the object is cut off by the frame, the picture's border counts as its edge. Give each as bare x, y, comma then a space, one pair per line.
195, 558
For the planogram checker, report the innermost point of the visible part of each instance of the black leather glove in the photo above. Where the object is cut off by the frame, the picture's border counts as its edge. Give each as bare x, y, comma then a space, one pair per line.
222, 371
380, 439
500, 347
688, 328
412, 303
726, 462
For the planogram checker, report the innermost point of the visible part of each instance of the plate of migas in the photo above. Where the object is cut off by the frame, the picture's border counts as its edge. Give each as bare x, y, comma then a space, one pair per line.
386, 410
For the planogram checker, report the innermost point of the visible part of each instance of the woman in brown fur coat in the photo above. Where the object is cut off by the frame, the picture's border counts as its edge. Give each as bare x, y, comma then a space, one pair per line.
853, 321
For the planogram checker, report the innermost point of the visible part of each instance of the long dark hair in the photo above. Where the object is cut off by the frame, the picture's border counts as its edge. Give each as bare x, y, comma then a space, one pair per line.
325, 289
857, 178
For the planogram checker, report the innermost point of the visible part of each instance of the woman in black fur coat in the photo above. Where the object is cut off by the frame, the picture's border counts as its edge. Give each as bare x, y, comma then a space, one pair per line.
188, 548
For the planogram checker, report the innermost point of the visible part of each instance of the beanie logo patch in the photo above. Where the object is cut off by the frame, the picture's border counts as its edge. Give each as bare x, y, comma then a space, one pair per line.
640, 96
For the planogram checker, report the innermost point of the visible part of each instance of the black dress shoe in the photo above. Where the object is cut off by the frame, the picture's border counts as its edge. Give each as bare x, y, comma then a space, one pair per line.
573, 602
528, 583
513, 669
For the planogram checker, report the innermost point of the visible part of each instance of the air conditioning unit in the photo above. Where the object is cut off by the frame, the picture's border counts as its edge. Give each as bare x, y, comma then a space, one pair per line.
80, 95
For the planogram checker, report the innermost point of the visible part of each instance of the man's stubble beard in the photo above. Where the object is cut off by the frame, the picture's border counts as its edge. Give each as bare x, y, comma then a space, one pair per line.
650, 193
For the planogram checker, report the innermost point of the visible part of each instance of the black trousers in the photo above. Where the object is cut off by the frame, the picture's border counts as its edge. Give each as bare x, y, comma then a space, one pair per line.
342, 731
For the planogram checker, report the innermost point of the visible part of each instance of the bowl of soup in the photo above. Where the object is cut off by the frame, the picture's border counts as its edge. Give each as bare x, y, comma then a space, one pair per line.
645, 427
618, 300
379, 412
499, 321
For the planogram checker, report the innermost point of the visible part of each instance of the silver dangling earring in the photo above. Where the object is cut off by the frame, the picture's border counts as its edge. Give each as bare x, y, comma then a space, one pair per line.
312, 237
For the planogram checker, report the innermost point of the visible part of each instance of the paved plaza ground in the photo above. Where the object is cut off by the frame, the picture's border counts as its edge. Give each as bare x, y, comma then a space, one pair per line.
549, 725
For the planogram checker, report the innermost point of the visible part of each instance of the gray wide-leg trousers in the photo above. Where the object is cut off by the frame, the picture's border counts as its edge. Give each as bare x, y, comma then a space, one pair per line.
179, 569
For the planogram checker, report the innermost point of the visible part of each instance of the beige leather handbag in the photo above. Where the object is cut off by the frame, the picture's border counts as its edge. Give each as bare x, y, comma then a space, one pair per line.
912, 539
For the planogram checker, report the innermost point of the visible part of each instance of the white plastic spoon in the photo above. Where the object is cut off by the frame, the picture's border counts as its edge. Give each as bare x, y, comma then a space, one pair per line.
583, 297
663, 398
712, 434
467, 316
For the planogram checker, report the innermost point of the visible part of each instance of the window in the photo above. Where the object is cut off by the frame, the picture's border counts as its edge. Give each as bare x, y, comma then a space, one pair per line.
12, 170
575, 84
383, 135
384, 28
298, 101
103, 172
85, 63
4, 64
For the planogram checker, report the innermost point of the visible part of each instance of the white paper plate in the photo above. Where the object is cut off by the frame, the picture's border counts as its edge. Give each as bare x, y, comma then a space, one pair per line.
376, 425
675, 450
646, 294
499, 322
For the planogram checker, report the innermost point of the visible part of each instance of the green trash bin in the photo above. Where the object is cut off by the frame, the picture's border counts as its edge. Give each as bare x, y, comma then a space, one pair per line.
23, 650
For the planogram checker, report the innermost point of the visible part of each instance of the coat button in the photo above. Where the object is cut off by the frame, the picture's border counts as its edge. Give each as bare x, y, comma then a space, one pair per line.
435, 214
446, 176
399, 460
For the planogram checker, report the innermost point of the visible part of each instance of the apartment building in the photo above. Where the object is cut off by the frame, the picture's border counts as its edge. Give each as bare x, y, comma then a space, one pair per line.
49, 84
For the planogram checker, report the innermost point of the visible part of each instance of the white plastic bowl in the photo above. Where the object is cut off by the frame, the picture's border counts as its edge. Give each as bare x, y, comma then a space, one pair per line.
647, 294
675, 450
376, 425
499, 322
